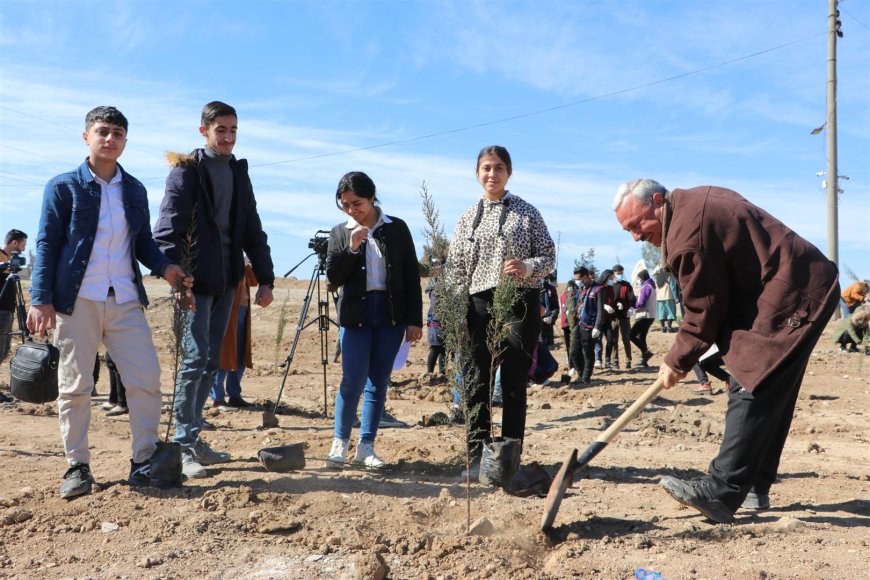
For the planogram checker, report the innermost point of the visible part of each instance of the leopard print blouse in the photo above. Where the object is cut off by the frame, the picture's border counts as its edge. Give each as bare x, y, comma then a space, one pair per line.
510, 228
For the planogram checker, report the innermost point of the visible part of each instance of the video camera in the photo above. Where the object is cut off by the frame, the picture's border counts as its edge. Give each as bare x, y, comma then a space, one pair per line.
319, 243
15, 263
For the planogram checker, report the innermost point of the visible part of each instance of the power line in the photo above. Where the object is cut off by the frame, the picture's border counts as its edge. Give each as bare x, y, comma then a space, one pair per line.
548, 109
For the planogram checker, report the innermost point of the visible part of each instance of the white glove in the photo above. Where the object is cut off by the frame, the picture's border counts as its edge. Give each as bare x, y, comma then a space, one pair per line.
608, 308
631, 312
596, 333
619, 306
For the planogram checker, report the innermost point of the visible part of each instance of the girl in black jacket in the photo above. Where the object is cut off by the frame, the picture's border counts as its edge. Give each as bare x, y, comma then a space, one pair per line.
372, 258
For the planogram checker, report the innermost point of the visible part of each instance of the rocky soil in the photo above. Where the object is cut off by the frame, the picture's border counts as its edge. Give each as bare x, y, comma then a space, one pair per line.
410, 520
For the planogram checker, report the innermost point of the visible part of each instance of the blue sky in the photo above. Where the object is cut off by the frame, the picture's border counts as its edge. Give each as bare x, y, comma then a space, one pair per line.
319, 86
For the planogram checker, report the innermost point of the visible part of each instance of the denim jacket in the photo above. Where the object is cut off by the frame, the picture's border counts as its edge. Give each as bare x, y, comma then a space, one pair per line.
67, 228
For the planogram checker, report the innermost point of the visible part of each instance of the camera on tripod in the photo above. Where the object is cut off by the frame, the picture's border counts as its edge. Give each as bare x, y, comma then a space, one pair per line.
15, 263
319, 243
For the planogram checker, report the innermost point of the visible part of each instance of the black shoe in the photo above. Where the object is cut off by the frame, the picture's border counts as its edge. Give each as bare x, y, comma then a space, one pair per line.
76, 481
697, 494
644, 358
238, 402
756, 501
140, 474
627, 365
5, 398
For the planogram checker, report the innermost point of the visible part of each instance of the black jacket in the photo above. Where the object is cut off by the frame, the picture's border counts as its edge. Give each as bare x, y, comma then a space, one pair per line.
348, 270
188, 200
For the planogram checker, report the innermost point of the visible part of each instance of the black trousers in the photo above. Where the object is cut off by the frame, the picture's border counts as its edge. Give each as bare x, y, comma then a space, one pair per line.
515, 360
583, 352
757, 424
639, 332
566, 332
436, 354
622, 333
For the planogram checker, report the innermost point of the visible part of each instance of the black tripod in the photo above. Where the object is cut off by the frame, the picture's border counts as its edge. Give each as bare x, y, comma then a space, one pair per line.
20, 310
322, 319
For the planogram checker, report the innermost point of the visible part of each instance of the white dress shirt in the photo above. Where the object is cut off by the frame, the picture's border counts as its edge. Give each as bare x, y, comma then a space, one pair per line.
376, 265
111, 262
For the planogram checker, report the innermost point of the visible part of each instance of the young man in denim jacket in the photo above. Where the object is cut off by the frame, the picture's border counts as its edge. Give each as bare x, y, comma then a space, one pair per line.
93, 231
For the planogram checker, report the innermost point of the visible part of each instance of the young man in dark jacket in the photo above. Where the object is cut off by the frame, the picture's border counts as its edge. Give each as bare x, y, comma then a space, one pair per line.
208, 217
762, 295
623, 296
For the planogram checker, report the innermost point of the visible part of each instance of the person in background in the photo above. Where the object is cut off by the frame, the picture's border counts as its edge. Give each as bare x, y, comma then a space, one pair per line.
585, 332
762, 295
500, 235
15, 243
434, 332
666, 310
566, 320
550, 304
117, 392
645, 314
371, 257
855, 295
236, 347
623, 298
606, 311
850, 331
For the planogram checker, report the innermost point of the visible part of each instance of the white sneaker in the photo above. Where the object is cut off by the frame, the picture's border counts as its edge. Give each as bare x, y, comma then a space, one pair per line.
572, 372
598, 364
338, 454
365, 454
190, 467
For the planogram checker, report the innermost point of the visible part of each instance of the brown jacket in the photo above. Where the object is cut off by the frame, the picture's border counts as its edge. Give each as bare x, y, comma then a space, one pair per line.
229, 347
750, 284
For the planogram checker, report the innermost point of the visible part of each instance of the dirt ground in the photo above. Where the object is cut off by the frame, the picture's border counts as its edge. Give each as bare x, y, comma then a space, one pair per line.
409, 520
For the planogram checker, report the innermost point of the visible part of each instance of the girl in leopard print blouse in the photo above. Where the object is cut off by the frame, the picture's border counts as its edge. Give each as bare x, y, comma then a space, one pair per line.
500, 234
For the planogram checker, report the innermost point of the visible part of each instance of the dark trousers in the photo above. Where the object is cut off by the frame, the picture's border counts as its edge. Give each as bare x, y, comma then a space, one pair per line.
515, 360
566, 333
622, 332
639, 332
436, 354
583, 352
547, 335
117, 392
757, 424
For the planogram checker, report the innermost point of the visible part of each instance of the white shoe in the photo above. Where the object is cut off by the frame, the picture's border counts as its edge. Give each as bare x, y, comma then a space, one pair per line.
190, 467
338, 454
598, 364
365, 454
572, 372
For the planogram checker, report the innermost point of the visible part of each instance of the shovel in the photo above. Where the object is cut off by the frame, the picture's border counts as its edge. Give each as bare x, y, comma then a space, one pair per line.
565, 475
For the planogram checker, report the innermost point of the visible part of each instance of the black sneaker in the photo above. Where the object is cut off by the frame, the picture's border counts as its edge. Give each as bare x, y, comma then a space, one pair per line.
76, 481
698, 495
238, 402
756, 501
644, 359
140, 474
388, 421
5, 398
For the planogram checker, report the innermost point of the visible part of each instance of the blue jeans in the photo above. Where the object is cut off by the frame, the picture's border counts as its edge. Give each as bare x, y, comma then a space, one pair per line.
233, 379
367, 355
203, 335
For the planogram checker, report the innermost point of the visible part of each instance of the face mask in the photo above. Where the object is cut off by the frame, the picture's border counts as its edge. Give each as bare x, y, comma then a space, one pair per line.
619, 278
611, 282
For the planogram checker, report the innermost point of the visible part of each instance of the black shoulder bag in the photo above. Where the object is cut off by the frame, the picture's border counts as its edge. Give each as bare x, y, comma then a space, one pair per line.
33, 372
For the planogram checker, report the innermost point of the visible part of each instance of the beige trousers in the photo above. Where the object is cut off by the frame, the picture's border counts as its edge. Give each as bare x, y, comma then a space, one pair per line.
122, 328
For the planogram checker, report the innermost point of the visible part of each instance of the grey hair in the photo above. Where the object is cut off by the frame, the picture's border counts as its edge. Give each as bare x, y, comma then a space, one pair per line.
642, 189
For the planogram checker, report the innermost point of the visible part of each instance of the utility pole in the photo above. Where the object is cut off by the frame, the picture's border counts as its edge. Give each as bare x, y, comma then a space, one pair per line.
833, 181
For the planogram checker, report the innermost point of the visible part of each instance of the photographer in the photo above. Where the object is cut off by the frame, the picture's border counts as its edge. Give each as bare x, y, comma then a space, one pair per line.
15, 242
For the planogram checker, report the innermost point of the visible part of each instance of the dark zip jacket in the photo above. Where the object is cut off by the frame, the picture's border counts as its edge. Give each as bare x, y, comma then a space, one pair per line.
189, 202
348, 270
